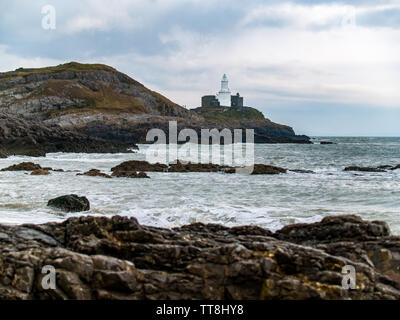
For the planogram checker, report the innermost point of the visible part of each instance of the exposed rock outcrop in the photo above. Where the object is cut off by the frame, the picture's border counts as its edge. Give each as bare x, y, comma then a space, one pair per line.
40, 172
178, 166
70, 203
301, 171
138, 165
35, 138
130, 174
117, 258
95, 173
381, 168
266, 169
364, 169
23, 166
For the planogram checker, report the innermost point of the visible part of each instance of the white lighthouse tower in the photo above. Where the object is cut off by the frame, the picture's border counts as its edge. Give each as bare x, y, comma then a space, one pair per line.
224, 96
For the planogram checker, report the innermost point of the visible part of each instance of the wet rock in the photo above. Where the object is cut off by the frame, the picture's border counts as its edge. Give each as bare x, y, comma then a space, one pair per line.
366, 242
117, 258
327, 142
70, 203
137, 165
130, 174
24, 166
301, 171
95, 173
334, 228
385, 167
363, 169
266, 169
179, 166
381, 168
40, 172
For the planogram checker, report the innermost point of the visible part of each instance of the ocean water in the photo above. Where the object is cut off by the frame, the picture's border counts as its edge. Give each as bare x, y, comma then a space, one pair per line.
174, 199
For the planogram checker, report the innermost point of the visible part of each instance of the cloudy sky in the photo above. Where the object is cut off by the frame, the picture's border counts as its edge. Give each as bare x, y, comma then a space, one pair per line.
323, 67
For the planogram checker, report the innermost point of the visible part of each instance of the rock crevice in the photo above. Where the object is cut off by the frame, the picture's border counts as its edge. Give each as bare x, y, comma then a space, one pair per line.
117, 258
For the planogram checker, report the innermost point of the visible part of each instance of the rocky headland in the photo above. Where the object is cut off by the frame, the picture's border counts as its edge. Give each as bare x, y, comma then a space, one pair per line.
118, 258
94, 108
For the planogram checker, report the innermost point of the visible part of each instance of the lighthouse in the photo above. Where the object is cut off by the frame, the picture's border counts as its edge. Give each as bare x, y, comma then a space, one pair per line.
223, 98
224, 95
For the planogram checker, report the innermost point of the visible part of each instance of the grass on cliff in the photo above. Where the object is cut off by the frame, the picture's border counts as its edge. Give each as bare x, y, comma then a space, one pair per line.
221, 114
104, 99
71, 66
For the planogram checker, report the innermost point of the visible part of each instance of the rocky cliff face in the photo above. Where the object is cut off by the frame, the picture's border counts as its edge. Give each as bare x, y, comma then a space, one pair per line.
100, 102
20, 136
117, 258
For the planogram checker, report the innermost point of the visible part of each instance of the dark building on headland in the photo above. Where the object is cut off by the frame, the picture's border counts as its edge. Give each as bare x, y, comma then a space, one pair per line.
209, 101
237, 101
223, 97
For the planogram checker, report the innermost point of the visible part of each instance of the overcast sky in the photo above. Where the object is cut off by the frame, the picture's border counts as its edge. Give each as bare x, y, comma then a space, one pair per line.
323, 67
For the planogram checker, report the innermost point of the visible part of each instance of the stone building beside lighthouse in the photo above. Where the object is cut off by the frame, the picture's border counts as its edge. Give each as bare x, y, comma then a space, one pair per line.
223, 97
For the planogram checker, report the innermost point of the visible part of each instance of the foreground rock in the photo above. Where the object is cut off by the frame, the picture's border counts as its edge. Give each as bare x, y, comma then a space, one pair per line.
70, 203
117, 258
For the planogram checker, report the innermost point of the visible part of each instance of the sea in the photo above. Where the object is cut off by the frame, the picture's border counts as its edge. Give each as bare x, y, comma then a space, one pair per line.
176, 199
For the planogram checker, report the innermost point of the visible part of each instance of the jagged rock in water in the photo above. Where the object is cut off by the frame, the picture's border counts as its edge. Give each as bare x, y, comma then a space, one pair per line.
138, 165
40, 172
266, 169
130, 174
301, 171
381, 168
95, 173
70, 203
23, 166
178, 166
363, 169
117, 258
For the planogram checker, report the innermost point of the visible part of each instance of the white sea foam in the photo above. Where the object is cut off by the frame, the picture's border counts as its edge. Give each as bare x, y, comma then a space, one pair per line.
175, 199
